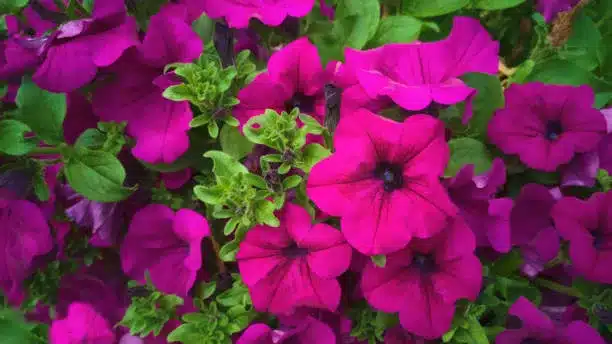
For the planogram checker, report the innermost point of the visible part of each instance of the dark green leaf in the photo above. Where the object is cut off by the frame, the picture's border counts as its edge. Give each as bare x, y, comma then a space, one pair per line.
12, 140
582, 48
12, 6
489, 98
432, 8
379, 260
396, 29
464, 151
496, 4
360, 19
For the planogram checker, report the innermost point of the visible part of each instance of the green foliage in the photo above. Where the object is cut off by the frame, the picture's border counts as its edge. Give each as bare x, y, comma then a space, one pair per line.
596, 299
234, 143
12, 6
396, 29
15, 330
12, 139
108, 137
379, 260
605, 180
42, 111
465, 150
489, 98
432, 8
496, 4
369, 325
97, 175
466, 328
359, 20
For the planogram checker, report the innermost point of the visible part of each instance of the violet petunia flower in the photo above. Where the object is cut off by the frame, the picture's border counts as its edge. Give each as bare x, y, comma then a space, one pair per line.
135, 94
294, 265
24, 235
82, 324
537, 327
550, 8
587, 225
545, 125
77, 49
308, 331
487, 216
237, 13
167, 244
533, 230
423, 281
414, 75
295, 78
383, 181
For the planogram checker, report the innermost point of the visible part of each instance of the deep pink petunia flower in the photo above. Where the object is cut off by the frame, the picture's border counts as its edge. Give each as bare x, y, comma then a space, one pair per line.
24, 235
135, 94
237, 13
423, 281
414, 75
82, 324
78, 48
539, 328
550, 8
588, 227
545, 125
308, 331
487, 216
383, 180
533, 228
293, 265
397, 335
294, 78
167, 244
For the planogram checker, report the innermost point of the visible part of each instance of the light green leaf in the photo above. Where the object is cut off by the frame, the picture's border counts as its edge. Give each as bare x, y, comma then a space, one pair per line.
97, 175
42, 111
204, 27
199, 121
208, 195
264, 214
432, 8
496, 4
291, 182
359, 18
312, 154
465, 150
224, 164
227, 253
234, 143
178, 93
396, 29
12, 140
213, 129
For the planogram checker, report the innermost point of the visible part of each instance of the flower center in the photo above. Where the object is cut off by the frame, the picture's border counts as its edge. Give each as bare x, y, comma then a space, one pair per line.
301, 101
391, 175
293, 251
553, 130
601, 239
425, 263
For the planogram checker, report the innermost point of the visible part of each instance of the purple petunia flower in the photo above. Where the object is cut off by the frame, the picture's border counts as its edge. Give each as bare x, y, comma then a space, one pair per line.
489, 218
167, 244
309, 330
383, 180
294, 78
588, 227
423, 281
538, 328
24, 235
550, 8
82, 324
237, 13
545, 125
293, 265
135, 94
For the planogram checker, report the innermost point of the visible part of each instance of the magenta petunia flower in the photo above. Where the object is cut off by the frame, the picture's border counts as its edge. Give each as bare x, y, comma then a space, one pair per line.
135, 93
533, 229
545, 125
537, 327
423, 281
167, 244
294, 78
550, 8
309, 330
397, 335
293, 265
488, 217
588, 227
383, 180
82, 324
77, 49
24, 235
237, 13
416, 74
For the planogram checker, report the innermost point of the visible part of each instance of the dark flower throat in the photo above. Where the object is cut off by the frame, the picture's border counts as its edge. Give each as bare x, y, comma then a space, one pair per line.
425, 263
391, 175
553, 130
293, 251
301, 101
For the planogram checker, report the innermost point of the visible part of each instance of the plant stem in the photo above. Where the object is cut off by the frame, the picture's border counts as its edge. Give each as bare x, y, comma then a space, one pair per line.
216, 248
44, 151
558, 287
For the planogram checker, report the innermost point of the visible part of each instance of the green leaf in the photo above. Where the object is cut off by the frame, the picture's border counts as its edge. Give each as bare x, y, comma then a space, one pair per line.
178, 93
224, 164
583, 45
230, 226
465, 150
396, 29
557, 71
204, 27
209, 195
507, 264
91, 138
199, 121
496, 4
42, 111
379, 260
360, 19
213, 129
312, 154
12, 6
264, 214
41, 189
12, 140
432, 8
234, 143
97, 175
291, 182
489, 98
227, 253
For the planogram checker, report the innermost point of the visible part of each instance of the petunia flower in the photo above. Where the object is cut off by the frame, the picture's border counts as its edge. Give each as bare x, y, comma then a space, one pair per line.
167, 244
545, 125
487, 216
383, 181
414, 75
294, 78
82, 324
293, 265
423, 281
309, 330
135, 93
397, 335
237, 13
550, 8
77, 49
533, 230
587, 225
24, 235
538, 328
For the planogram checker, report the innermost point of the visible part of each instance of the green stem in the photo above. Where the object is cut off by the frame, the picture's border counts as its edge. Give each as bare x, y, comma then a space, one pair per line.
44, 151
558, 287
